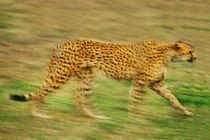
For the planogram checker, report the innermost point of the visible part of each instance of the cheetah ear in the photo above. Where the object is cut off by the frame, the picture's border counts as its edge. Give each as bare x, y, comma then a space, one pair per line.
179, 41
177, 45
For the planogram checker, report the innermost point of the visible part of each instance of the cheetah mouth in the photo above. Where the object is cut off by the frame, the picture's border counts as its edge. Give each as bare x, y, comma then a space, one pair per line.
191, 60
179, 58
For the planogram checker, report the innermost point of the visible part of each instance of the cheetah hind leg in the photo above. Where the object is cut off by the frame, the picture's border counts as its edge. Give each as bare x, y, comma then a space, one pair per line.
36, 113
47, 89
83, 100
37, 105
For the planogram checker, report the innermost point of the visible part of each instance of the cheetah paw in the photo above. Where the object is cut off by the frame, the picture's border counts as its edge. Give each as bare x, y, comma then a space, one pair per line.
92, 115
36, 114
188, 113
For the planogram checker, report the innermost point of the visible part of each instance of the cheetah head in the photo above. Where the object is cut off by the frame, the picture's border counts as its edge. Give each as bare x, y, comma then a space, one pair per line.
184, 52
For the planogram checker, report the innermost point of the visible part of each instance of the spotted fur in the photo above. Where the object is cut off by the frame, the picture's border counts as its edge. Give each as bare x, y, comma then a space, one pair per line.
145, 64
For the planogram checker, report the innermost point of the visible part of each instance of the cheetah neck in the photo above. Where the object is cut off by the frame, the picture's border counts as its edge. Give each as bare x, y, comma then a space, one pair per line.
159, 53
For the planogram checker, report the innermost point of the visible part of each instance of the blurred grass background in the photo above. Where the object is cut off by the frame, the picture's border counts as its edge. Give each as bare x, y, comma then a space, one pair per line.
29, 30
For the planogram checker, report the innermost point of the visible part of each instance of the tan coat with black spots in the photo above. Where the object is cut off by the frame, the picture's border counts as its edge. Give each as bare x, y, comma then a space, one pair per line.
145, 64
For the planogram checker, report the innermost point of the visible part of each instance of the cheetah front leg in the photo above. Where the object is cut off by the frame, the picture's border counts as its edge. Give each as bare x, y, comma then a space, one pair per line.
162, 91
83, 100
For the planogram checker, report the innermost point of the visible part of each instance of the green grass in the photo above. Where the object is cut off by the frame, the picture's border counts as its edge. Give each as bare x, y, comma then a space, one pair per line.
5, 25
160, 121
30, 30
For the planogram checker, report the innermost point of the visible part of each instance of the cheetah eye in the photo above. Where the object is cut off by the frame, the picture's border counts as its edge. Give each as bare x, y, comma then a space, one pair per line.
190, 52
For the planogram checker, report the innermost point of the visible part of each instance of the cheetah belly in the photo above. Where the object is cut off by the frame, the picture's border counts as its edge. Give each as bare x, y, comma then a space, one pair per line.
110, 69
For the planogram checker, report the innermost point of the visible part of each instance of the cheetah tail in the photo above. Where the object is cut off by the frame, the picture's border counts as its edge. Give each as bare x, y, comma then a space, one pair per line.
21, 98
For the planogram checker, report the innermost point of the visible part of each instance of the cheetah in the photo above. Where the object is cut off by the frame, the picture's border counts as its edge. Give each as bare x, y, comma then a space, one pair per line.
144, 64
